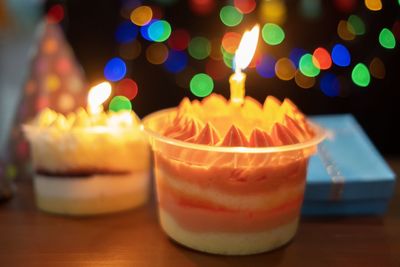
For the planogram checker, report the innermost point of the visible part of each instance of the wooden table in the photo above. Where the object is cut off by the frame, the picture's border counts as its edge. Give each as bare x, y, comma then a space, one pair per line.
32, 238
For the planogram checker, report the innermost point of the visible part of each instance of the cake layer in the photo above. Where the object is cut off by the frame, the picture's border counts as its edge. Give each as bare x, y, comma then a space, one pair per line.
258, 179
91, 195
93, 186
98, 150
196, 216
184, 189
242, 243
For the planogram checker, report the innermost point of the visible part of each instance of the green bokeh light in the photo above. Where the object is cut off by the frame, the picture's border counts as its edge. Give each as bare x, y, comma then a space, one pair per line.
228, 58
159, 31
199, 48
272, 34
307, 66
230, 16
360, 75
356, 24
201, 85
120, 103
386, 39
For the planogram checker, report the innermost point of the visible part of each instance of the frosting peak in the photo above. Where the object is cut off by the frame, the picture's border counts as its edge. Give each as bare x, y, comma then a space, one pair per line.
251, 124
235, 137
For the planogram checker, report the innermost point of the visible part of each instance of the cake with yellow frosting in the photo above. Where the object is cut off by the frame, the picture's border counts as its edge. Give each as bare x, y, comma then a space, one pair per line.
88, 164
230, 178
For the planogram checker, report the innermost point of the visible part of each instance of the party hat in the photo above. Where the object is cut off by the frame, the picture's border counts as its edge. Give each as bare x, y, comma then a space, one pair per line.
55, 81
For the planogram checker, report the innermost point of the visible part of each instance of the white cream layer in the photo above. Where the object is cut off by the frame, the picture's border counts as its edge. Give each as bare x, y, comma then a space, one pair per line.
228, 243
91, 187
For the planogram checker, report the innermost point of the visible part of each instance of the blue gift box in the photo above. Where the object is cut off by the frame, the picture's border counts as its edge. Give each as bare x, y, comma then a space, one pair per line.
348, 176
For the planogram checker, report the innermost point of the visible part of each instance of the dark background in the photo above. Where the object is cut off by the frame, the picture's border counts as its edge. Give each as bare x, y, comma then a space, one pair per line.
90, 28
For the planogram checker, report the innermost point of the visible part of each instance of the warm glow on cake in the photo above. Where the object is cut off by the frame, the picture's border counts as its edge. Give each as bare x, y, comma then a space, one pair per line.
216, 121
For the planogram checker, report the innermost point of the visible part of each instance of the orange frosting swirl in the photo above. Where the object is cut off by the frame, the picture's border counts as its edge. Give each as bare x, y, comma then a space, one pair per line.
216, 121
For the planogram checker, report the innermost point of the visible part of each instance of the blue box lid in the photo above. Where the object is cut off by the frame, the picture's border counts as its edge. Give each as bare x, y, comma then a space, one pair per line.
347, 165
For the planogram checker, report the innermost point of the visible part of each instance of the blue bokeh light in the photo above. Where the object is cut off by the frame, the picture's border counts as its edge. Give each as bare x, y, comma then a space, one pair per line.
176, 61
115, 69
330, 84
144, 30
266, 67
296, 54
126, 32
341, 55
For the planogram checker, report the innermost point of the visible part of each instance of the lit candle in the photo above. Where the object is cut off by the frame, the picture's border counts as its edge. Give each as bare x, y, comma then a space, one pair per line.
243, 56
97, 96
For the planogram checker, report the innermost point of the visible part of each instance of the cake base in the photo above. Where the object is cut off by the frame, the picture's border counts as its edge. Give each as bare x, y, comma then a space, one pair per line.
228, 243
97, 194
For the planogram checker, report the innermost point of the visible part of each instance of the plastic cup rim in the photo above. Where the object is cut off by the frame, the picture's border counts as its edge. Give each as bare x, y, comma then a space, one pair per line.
320, 135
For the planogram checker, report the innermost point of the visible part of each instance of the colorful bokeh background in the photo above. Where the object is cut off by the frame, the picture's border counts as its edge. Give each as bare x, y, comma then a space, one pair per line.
327, 56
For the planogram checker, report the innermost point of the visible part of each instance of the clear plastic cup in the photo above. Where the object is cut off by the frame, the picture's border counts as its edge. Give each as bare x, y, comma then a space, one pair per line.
228, 200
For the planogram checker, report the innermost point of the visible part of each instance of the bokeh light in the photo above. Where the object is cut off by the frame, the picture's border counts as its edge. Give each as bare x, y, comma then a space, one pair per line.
228, 58
341, 55
202, 7
52, 83
141, 15
144, 30
127, 87
373, 5
159, 31
216, 69
126, 32
322, 58
360, 75
296, 54
216, 52
386, 39
272, 34
285, 69
303, 81
130, 51
330, 84
119, 103
55, 14
346, 6
201, 85
266, 66
355, 25
377, 68
128, 6
345, 31
273, 11
311, 9
245, 6
307, 66
179, 39
157, 53
176, 61
230, 16
115, 69
66, 102
199, 48
230, 41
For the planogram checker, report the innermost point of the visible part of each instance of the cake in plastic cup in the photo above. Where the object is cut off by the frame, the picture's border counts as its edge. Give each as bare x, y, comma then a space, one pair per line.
88, 165
235, 195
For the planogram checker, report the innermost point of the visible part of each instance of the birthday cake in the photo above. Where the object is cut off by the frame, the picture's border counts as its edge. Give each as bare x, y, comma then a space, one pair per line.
88, 164
230, 178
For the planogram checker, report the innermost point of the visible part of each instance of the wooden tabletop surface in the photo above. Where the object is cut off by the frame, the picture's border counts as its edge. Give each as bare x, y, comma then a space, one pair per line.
32, 238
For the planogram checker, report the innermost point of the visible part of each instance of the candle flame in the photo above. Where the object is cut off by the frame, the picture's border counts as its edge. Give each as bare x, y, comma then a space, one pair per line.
246, 49
97, 96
